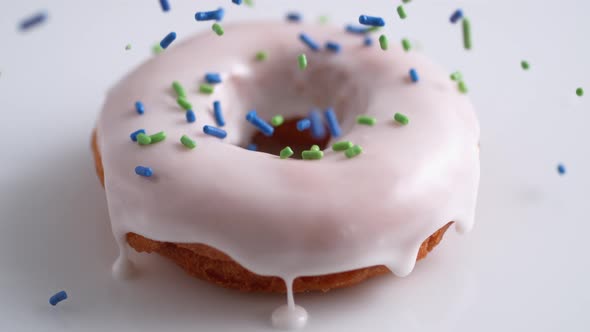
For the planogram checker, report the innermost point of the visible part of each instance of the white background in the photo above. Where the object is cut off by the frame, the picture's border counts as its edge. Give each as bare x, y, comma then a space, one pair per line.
523, 268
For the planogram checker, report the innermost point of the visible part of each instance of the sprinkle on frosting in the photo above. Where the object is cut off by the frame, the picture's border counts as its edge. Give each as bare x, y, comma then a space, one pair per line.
456, 76
293, 17
252, 147
366, 120
342, 146
401, 12
302, 61
168, 40
216, 15
286, 153
263, 126
309, 42
58, 297
185, 104
179, 89
190, 116
158, 137
261, 56
525, 65
373, 21
561, 169
383, 42
313, 154
206, 88
277, 120
414, 75
406, 44
333, 46
368, 41
359, 30
462, 87
218, 29
165, 5
218, 114
134, 134
353, 151
213, 78
579, 92
144, 171
466, 33
32, 21
216, 132
303, 124
318, 130
139, 108
456, 16
401, 119
315, 147
187, 142
143, 139
332, 121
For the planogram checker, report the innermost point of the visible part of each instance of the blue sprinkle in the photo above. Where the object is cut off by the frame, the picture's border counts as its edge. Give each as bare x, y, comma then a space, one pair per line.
144, 171
333, 124
309, 42
218, 115
168, 40
373, 21
237, 2
561, 169
165, 5
414, 75
213, 78
303, 124
293, 17
259, 123
212, 15
252, 147
135, 133
317, 125
190, 116
356, 29
332, 46
457, 15
212, 131
32, 21
58, 297
368, 41
139, 107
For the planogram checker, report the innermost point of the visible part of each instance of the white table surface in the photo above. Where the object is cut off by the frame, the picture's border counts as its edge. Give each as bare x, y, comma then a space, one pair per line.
523, 268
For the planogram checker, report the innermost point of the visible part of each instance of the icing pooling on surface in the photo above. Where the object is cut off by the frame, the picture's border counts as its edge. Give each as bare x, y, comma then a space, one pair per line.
291, 218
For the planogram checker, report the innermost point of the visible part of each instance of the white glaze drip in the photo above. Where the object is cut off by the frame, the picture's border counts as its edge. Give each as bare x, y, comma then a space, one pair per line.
289, 217
289, 316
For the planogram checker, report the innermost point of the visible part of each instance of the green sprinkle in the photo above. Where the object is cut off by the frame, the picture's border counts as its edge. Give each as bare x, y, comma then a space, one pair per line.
179, 89
462, 87
127, 47
353, 151
261, 56
406, 1
406, 44
466, 33
277, 120
218, 29
383, 42
143, 139
401, 119
456, 76
158, 137
342, 145
312, 155
157, 49
315, 148
323, 19
373, 29
186, 141
366, 120
525, 65
302, 59
249, 3
401, 12
286, 153
206, 88
182, 102
580, 92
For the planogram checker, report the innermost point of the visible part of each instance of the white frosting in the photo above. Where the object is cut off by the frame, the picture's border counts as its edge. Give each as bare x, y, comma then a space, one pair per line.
292, 218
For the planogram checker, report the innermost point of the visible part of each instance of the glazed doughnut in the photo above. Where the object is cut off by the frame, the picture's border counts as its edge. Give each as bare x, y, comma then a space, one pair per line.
254, 221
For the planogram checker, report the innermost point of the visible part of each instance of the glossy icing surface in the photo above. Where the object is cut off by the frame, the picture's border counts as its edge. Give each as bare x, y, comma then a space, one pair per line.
292, 218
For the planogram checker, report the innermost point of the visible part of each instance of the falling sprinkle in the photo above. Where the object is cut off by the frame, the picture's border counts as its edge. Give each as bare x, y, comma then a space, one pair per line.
368, 41
383, 42
144, 171
323, 19
237, 2
261, 56
286, 153
353, 151
32, 21
579, 92
302, 61
303, 124
263, 126
277, 120
456, 76
332, 121
561, 169
187, 142
401, 119
127, 47
401, 12
293, 17
216, 15
456, 16
466, 33
462, 87
366, 120
249, 3
217, 29
358, 30
318, 130
406, 44
165, 5
373, 21
168, 40
525, 65
58, 297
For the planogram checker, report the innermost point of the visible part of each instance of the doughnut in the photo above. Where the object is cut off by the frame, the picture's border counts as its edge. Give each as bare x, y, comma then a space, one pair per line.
382, 159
